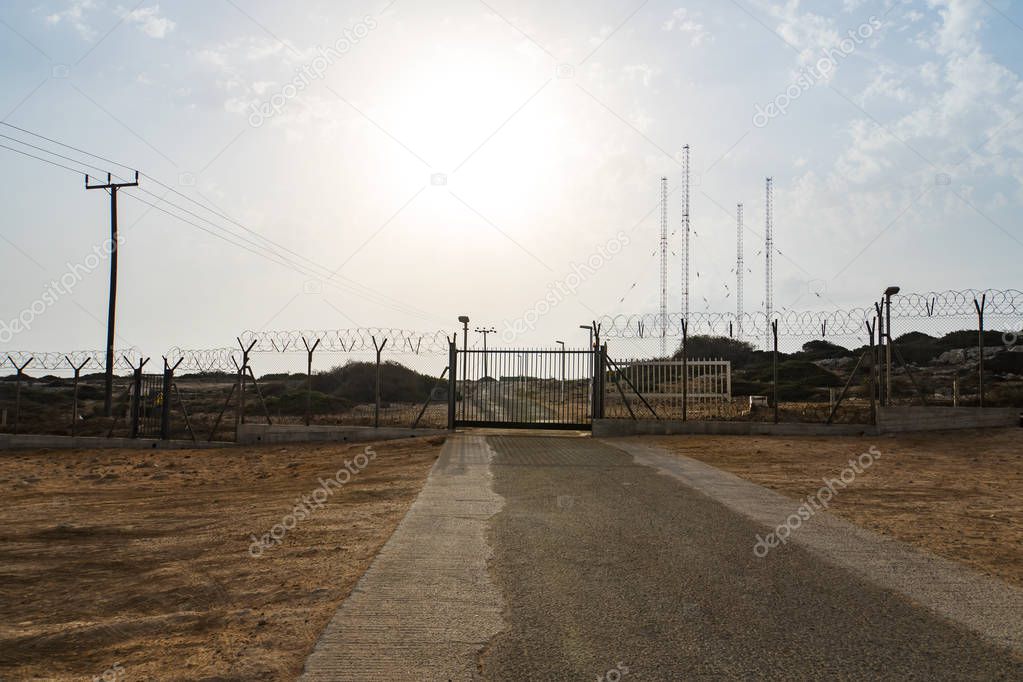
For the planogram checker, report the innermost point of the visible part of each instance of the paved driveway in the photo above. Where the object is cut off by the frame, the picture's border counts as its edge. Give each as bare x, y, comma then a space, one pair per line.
559, 558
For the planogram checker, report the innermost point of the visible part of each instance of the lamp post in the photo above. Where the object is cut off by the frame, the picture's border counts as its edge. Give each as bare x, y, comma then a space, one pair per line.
562, 344
464, 319
888, 293
485, 331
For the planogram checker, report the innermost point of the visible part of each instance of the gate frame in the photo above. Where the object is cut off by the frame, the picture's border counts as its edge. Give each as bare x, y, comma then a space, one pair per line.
596, 398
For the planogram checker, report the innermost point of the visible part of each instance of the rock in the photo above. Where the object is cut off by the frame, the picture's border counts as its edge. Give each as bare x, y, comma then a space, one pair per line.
952, 357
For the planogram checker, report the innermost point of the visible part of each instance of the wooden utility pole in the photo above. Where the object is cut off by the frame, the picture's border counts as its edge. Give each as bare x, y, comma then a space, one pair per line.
111, 187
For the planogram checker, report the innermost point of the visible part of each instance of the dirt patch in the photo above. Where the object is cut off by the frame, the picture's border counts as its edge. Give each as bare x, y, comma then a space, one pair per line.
956, 494
144, 560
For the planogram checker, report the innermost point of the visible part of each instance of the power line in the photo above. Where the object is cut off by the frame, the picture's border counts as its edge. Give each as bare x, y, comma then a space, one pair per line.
63, 144
353, 287
345, 284
270, 255
60, 156
39, 158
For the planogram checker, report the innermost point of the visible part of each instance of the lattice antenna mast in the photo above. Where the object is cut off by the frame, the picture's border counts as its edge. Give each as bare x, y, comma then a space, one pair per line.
664, 266
685, 232
769, 252
739, 270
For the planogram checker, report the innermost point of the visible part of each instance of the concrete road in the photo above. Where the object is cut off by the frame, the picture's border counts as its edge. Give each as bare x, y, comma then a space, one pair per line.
611, 571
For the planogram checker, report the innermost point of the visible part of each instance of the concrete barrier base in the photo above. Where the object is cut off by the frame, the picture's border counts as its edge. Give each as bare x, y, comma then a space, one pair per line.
899, 419
611, 428
252, 434
889, 420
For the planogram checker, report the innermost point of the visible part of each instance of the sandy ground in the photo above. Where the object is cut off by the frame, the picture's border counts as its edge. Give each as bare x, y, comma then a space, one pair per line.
138, 564
956, 494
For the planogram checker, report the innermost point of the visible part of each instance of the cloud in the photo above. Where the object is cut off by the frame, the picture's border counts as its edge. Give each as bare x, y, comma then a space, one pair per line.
150, 22
688, 23
74, 15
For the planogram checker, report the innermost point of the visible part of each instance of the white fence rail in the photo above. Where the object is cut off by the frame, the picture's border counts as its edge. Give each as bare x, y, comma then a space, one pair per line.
659, 382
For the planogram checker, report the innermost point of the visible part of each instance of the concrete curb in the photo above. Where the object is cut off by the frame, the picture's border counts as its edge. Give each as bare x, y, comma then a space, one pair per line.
426, 607
989, 607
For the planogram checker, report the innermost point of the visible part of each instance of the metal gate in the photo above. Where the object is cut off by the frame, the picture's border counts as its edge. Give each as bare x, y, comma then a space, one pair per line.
147, 405
539, 389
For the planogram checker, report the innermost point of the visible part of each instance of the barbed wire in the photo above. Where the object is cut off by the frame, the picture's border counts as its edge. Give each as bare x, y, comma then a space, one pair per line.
54, 360
205, 359
348, 340
848, 323
839, 323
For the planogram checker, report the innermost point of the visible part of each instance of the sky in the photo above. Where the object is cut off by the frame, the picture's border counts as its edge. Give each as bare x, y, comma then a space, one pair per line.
320, 165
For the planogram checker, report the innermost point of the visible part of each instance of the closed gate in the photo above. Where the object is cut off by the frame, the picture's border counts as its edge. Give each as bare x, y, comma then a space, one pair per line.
147, 405
540, 389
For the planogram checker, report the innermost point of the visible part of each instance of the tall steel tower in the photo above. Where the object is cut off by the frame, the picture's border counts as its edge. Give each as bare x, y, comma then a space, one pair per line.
739, 270
769, 253
685, 233
664, 267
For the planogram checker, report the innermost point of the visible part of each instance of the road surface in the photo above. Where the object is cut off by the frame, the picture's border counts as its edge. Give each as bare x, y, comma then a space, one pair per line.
574, 562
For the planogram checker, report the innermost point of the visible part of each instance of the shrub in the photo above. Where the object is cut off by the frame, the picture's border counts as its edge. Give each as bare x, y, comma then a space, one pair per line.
705, 347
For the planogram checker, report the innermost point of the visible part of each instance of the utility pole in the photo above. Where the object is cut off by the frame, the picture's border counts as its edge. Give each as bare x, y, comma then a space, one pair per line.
111, 187
485, 331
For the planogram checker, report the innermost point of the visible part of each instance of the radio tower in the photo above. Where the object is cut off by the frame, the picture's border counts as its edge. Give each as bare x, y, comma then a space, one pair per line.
664, 267
739, 268
769, 251
685, 233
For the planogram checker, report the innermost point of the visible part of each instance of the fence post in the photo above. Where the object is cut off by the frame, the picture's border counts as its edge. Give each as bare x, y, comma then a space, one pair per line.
240, 416
74, 399
376, 409
872, 375
452, 383
17, 389
879, 311
136, 402
980, 325
774, 333
165, 410
309, 378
